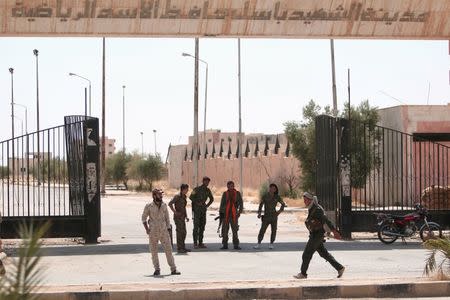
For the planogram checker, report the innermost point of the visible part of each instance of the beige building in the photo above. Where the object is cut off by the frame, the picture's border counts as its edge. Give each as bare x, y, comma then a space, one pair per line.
110, 146
266, 157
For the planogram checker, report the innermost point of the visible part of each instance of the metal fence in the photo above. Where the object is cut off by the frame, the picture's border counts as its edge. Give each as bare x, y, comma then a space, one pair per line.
34, 177
363, 168
53, 176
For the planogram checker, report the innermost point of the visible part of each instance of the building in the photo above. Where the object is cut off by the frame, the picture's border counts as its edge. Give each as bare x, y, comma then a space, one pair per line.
110, 146
266, 157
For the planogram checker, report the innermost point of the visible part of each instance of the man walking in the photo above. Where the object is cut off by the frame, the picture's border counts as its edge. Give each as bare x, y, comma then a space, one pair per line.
231, 207
270, 202
155, 218
180, 217
315, 223
198, 197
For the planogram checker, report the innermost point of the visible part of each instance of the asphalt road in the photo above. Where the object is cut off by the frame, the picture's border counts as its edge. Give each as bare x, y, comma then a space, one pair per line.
122, 255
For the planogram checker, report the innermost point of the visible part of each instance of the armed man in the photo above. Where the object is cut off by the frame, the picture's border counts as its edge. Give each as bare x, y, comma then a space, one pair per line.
199, 206
231, 207
316, 222
178, 207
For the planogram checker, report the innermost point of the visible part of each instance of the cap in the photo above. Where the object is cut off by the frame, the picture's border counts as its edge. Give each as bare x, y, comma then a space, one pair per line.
157, 191
206, 178
308, 195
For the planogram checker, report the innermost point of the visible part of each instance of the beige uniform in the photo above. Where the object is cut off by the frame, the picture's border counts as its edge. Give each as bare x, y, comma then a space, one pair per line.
158, 223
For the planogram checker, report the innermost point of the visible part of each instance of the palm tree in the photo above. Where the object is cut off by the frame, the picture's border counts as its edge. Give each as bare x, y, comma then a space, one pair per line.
24, 275
435, 247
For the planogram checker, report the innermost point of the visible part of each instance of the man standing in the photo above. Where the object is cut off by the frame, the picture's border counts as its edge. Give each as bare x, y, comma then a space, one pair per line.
180, 217
269, 201
315, 223
231, 207
155, 218
199, 207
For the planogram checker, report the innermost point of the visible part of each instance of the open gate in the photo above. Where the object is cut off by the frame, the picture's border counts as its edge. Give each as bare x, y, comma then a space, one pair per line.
53, 175
364, 168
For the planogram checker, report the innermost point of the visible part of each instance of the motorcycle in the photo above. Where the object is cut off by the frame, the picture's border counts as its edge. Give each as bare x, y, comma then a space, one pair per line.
392, 227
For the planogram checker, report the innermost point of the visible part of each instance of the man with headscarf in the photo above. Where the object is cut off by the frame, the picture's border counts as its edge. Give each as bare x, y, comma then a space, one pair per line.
199, 206
316, 222
231, 207
155, 218
270, 201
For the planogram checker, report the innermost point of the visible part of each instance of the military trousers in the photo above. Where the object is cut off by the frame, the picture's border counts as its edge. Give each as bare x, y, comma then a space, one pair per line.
266, 221
199, 215
180, 225
234, 229
316, 243
162, 236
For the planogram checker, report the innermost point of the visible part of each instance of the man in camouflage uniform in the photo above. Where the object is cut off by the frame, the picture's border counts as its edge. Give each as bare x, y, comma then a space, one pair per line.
155, 218
315, 223
270, 201
231, 207
180, 217
198, 197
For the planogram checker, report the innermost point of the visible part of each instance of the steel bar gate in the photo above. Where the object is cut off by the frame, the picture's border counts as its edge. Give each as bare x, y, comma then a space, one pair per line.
363, 168
52, 175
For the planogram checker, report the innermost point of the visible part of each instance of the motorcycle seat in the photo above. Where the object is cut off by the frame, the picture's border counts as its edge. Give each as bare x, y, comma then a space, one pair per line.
396, 217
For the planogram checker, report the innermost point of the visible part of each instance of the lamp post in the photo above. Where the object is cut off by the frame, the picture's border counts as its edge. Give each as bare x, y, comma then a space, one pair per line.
154, 136
84, 78
11, 70
142, 144
123, 118
36, 53
206, 103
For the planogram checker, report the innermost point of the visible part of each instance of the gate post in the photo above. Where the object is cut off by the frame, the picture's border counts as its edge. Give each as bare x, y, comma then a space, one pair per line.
92, 181
344, 172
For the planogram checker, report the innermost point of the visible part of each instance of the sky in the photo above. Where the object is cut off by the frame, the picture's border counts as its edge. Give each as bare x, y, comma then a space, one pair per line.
279, 77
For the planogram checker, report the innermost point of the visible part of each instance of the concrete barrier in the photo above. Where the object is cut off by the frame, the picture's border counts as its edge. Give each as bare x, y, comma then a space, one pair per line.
250, 290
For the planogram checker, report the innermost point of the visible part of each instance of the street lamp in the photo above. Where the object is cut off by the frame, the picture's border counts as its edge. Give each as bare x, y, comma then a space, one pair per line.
90, 103
142, 144
11, 70
206, 102
154, 135
123, 118
26, 115
36, 53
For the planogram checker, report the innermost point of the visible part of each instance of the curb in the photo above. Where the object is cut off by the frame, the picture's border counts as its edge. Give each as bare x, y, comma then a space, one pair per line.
274, 291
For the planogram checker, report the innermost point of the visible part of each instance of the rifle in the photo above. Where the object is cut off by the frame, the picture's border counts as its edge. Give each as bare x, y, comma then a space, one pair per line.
220, 217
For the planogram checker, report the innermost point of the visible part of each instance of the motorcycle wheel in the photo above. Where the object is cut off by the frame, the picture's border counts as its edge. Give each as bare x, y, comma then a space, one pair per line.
386, 239
433, 231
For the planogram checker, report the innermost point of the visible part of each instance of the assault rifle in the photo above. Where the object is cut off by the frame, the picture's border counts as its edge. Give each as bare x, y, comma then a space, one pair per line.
220, 217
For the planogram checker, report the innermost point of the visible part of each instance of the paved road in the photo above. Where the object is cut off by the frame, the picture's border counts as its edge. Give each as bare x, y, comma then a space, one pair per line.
122, 256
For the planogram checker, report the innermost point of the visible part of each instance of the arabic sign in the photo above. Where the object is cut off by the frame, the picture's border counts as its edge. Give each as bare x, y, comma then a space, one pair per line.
416, 19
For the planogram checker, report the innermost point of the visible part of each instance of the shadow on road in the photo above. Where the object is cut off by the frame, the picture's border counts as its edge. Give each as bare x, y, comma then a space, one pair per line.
102, 249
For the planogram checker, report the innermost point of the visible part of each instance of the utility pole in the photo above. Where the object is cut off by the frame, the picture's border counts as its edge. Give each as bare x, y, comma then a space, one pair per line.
333, 78
348, 82
123, 118
154, 136
240, 121
103, 122
195, 158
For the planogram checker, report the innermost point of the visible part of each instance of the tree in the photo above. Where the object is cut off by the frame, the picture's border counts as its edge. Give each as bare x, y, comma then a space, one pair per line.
436, 246
365, 140
302, 136
145, 170
116, 168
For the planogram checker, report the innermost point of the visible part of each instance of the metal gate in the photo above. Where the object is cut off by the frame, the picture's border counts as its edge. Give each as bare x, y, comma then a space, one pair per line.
53, 175
363, 168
